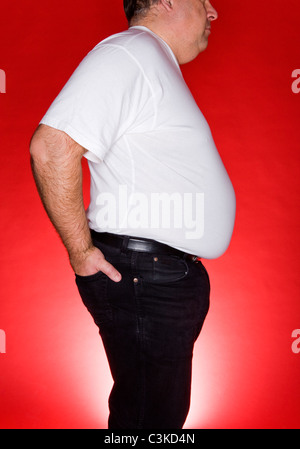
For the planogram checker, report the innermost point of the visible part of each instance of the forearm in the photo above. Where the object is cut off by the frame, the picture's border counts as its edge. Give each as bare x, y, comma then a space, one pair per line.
60, 189
58, 177
56, 166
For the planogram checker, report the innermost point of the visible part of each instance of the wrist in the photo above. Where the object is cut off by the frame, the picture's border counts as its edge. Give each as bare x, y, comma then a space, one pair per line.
79, 255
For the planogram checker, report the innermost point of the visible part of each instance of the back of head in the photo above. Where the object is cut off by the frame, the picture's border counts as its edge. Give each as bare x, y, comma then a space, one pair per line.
135, 9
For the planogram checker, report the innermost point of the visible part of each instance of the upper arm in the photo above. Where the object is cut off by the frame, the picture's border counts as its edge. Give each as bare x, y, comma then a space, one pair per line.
104, 98
48, 143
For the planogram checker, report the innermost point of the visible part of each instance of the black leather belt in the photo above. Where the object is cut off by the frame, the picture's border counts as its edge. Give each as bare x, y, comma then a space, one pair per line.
124, 242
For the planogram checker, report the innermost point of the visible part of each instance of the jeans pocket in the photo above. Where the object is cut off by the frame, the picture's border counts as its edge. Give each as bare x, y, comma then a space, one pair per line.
93, 292
169, 268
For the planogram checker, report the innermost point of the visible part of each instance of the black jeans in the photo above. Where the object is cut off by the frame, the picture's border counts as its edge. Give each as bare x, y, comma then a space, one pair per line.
148, 323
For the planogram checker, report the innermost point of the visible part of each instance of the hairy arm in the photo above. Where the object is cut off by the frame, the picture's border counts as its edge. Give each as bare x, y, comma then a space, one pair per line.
56, 166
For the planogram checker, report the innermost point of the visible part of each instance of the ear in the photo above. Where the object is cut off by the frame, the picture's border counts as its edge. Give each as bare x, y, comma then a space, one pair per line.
167, 4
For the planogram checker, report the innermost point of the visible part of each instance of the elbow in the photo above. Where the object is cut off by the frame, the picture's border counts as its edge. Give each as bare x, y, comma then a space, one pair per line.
51, 146
38, 149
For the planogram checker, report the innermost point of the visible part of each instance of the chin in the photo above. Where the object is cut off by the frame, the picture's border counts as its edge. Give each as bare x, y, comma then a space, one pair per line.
193, 53
203, 45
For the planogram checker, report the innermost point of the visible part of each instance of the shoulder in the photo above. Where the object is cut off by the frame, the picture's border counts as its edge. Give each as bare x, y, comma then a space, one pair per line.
135, 44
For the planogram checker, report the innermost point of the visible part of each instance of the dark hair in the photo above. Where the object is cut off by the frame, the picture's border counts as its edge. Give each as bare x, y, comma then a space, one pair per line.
136, 7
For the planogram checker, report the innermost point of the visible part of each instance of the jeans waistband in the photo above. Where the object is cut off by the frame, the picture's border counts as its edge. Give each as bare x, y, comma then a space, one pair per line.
124, 242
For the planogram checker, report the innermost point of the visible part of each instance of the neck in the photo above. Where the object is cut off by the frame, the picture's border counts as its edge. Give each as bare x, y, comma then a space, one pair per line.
166, 32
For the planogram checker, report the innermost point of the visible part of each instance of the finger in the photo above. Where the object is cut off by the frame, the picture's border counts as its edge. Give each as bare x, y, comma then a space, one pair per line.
110, 271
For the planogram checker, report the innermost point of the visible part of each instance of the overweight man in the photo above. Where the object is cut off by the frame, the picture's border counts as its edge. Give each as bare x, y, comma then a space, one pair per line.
160, 201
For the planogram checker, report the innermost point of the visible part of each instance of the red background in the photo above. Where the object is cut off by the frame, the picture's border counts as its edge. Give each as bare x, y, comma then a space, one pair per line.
54, 373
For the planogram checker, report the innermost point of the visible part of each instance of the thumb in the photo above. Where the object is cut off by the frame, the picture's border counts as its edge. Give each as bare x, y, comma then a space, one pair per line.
110, 271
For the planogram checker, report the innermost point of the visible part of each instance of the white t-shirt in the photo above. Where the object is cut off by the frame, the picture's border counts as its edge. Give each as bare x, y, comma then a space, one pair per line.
155, 170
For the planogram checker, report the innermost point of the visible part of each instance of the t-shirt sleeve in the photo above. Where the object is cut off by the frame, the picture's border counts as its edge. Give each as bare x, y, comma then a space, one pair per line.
100, 101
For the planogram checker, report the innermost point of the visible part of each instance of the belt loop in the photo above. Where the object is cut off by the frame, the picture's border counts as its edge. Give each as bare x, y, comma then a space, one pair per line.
124, 243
